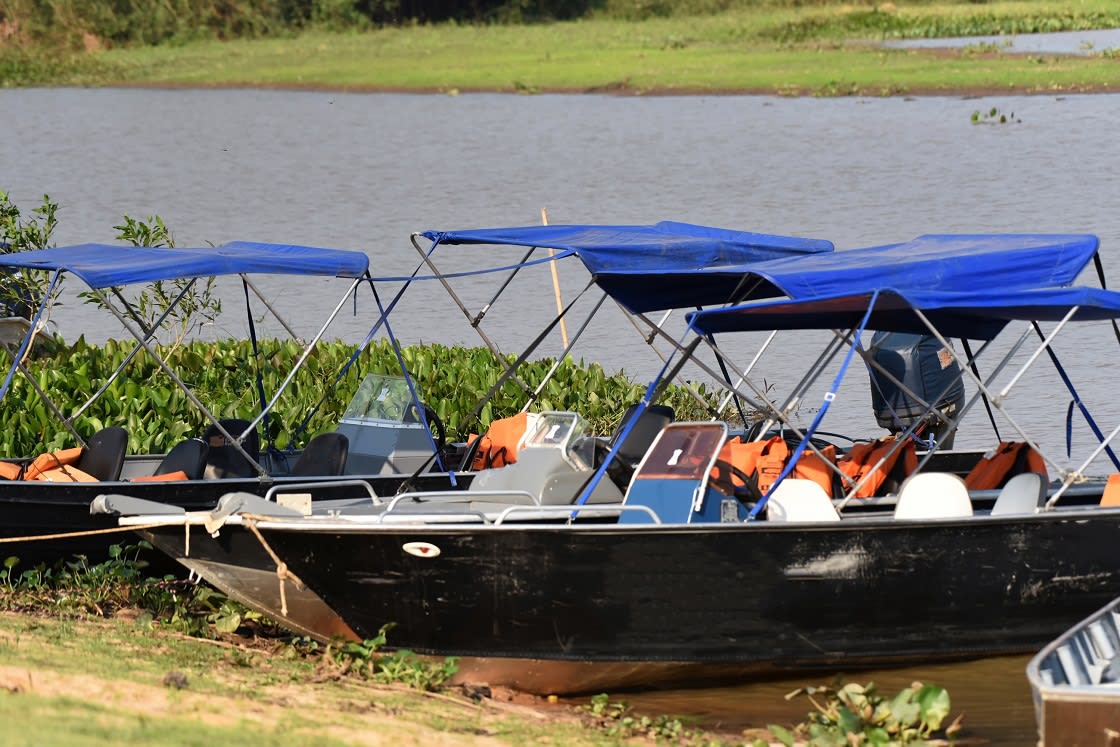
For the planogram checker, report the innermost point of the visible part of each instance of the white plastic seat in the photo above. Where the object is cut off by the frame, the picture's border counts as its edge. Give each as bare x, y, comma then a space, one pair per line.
932, 495
1022, 494
800, 500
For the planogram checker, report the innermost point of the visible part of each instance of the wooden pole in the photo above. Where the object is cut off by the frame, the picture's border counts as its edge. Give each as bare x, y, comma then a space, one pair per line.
556, 287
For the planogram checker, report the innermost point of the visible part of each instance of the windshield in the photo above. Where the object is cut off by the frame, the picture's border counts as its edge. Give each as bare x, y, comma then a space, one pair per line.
380, 397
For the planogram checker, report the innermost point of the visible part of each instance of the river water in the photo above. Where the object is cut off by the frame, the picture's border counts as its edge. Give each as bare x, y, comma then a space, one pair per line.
363, 171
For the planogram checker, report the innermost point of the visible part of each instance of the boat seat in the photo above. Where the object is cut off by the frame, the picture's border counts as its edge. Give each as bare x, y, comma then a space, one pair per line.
324, 455
674, 475
1023, 494
637, 442
798, 499
188, 457
932, 495
223, 460
103, 456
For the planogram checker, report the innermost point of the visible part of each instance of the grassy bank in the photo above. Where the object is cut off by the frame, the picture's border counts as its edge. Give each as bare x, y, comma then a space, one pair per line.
93, 655
113, 682
818, 49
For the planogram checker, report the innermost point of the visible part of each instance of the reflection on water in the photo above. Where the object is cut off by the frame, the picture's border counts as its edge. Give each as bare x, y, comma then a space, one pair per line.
1065, 42
992, 694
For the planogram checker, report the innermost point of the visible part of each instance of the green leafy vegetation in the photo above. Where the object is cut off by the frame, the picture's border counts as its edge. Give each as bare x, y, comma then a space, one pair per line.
616, 719
451, 379
993, 116
366, 658
21, 294
850, 714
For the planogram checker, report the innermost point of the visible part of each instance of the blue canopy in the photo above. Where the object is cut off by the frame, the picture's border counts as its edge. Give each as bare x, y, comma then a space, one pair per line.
977, 315
949, 262
663, 266
106, 265
678, 265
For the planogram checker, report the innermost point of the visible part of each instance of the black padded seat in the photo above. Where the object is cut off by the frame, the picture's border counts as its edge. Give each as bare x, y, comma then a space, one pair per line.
187, 456
324, 455
637, 442
223, 459
103, 456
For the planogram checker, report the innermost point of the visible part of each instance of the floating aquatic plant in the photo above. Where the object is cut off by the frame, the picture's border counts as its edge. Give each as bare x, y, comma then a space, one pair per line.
853, 714
993, 116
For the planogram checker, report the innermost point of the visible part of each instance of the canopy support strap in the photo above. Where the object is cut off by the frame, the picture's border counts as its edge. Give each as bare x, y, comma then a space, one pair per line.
1076, 401
829, 396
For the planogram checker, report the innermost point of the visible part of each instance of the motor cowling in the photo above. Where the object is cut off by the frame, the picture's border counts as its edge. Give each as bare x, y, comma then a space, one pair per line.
924, 366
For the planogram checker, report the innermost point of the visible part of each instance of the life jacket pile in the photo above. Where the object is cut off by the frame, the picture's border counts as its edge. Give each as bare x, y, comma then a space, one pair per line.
498, 446
53, 466
1002, 463
765, 460
899, 460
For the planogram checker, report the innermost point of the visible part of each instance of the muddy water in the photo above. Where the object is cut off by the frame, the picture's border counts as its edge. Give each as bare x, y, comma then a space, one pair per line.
992, 694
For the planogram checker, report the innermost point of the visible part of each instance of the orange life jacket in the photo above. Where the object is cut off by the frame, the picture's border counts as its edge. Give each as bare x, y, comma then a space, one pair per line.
1002, 463
1111, 495
166, 477
58, 466
10, 471
765, 460
862, 458
498, 446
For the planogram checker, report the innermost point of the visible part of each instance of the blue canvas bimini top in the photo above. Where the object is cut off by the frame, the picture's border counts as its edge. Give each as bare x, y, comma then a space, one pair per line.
661, 266
950, 262
107, 265
968, 285
977, 315
680, 265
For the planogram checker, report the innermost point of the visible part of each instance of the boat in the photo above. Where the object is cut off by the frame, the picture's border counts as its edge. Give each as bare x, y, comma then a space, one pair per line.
695, 579
48, 520
1075, 682
688, 578
216, 546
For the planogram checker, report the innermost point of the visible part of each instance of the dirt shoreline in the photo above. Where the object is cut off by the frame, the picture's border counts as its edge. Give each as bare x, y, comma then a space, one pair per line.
134, 677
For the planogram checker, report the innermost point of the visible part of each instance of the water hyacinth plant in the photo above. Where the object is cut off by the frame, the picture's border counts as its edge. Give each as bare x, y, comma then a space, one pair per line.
451, 379
848, 715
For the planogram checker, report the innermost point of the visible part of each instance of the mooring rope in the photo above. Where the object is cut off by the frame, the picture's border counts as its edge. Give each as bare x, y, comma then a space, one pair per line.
84, 533
282, 572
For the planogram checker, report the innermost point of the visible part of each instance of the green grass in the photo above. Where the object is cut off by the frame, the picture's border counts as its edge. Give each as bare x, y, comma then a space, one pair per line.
104, 682
819, 49
73, 722
389, 61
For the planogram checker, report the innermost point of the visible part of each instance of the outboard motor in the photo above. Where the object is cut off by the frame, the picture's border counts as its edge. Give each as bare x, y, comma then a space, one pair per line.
925, 367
